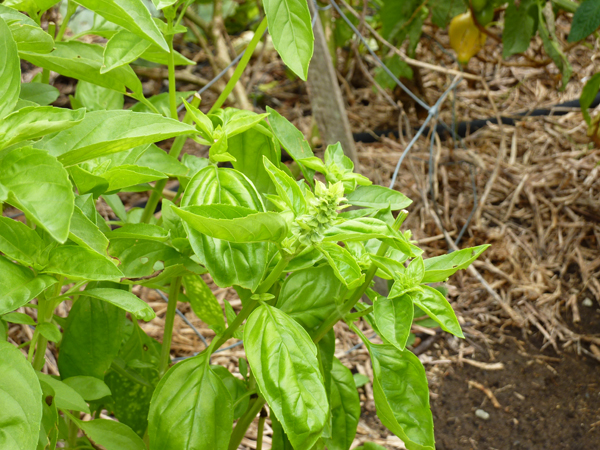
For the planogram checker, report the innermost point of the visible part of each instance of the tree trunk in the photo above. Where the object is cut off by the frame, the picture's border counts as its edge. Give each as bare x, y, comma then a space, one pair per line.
328, 106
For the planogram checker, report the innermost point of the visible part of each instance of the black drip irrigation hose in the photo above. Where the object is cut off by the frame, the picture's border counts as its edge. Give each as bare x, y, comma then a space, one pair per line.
462, 128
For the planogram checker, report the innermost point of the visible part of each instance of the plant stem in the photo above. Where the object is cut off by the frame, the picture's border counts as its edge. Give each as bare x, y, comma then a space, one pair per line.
165, 355
172, 85
244, 422
340, 312
261, 428
45, 311
71, 8
246, 310
175, 150
241, 66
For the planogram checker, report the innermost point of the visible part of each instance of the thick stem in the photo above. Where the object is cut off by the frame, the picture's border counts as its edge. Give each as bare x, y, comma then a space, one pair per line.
71, 8
244, 422
165, 355
340, 312
241, 66
246, 310
261, 428
172, 85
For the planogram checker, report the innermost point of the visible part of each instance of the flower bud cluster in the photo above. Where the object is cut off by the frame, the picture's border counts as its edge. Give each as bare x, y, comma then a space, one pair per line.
309, 228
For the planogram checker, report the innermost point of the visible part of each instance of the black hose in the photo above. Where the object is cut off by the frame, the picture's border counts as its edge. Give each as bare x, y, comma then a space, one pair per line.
462, 128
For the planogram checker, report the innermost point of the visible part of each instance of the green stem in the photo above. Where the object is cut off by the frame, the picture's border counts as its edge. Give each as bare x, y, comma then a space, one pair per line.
246, 310
165, 355
566, 5
71, 8
261, 428
45, 312
175, 151
340, 312
244, 422
172, 85
241, 66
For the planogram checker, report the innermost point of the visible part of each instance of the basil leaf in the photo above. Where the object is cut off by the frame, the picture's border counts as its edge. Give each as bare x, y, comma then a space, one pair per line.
130, 175
19, 285
378, 197
308, 296
437, 307
28, 35
86, 233
10, 71
408, 279
235, 223
19, 242
21, 400
236, 388
89, 388
343, 264
83, 61
102, 133
394, 318
36, 121
191, 408
440, 268
65, 397
283, 359
39, 186
291, 30
133, 15
402, 396
97, 98
92, 337
123, 48
111, 435
204, 303
124, 300
42, 94
287, 188
345, 407
78, 263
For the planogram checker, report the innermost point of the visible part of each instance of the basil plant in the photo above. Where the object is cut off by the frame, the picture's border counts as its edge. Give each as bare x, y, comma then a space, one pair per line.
301, 254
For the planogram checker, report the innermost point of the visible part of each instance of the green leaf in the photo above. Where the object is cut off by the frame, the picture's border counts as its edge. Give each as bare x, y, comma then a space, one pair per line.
236, 388
292, 139
519, 27
10, 71
157, 55
78, 263
398, 67
20, 318
102, 133
235, 224
83, 61
444, 10
291, 30
378, 197
142, 258
242, 121
191, 408
588, 94
92, 337
124, 300
308, 296
394, 318
36, 121
49, 331
408, 279
139, 231
287, 188
343, 264
132, 388
21, 400
89, 388
133, 15
228, 263
249, 148
345, 408
157, 159
130, 175
437, 307
28, 35
554, 49
123, 48
39, 186
586, 20
19, 285
402, 396
360, 380
98, 98
440, 268
283, 359
19, 242
42, 94
66, 397
280, 440
111, 435
204, 303
85, 233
